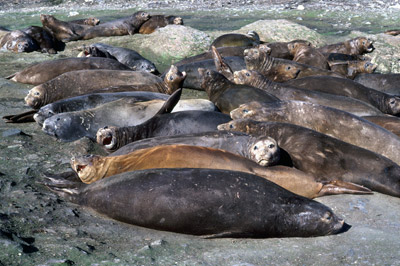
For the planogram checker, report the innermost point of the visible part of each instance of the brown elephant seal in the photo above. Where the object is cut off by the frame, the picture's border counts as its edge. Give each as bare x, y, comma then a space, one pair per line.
262, 150
278, 69
123, 26
207, 202
227, 95
46, 42
286, 92
80, 82
44, 71
280, 49
386, 103
325, 157
388, 83
126, 56
236, 39
91, 21
62, 30
18, 41
159, 21
391, 123
91, 168
356, 46
308, 55
393, 32
186, 122
350, 69
332, 122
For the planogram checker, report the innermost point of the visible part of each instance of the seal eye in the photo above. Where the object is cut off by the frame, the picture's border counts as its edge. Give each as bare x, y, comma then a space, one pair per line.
392, 101
288, 68
247, 74
271, 146
327, 216
230, 126
208, 73
37, 93
171, 77
58, 119
245, 111
255, 148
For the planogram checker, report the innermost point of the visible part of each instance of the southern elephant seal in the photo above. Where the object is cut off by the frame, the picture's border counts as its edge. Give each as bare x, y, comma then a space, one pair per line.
159, 21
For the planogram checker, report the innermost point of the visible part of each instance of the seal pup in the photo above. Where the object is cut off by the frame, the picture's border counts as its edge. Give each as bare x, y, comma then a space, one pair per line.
262, 150
386, 103
287, 92
350, 69
18, 41
280, 49
126, 56
388, 83
44, 71
236, 39
308, 55
207, 202
356, 46
278, 69
326, 158
333, 122
119, 27
80, 82
227, 95
159, 21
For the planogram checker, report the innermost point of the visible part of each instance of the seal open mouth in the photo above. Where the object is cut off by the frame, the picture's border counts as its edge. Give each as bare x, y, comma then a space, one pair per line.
79, 168
263, 162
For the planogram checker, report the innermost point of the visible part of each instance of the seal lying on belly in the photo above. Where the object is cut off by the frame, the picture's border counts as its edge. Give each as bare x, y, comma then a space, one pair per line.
236, 39
326, 158
388, 83
227, 95
391, 123
62, 30
287, 92
386, 103
280, 49
91, 21
126, 56
159, 21
278, 69
333, 122
46, 42
124, 26
44, 71
206, 202
350, 69
80, 82
91, 168
262, 150
306, 54
356, 46
178, 123
18, 41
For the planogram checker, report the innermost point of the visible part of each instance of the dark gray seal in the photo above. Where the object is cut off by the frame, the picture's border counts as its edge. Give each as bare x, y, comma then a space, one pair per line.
388, 83
18, 41
206, 202
325, 157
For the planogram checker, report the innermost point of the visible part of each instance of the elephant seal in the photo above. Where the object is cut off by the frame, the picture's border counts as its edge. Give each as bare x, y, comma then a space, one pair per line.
159, 21
44, 71
386, 103
18, 41
332, 122
325, 157
280, 49
391, 123
91, 168
92, 100
286, 92
236, 39
74, 83
227, 95
186, 122
91, 21
308, 55
356, 46
350, 69
278, 69
46, 42
125, 56
123, 26
262, 150
394, 32
388, 83
207, 202
62, 30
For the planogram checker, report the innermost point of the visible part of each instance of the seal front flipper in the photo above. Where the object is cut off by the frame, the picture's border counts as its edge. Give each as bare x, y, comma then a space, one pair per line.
170, 103
221, 66
20, 118
341, 187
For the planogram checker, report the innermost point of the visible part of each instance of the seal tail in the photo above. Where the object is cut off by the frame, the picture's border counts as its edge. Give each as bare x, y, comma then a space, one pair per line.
67, 185
20, 118
341, 187
170, 103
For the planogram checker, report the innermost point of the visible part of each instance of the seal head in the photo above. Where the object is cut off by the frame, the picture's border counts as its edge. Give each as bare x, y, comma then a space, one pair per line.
265, 152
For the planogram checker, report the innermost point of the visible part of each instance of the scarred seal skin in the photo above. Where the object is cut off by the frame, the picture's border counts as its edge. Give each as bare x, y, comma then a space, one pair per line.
236, 39
333, 122
356, 46
227, 95
18, 41
388, 83
262, 150
124, 26
391, 123
159, 21
287, 92
306, 54
326, 157
205, 202
386, 103
44, 71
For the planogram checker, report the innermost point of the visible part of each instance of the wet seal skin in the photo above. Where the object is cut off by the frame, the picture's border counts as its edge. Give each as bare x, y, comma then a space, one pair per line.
205, 202
236, 39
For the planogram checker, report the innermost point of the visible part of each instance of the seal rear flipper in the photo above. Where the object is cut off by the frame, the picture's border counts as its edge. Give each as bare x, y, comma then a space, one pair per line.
221, 66
70, 176
341, 187
20, 118
11, 76
64, 184
170, 103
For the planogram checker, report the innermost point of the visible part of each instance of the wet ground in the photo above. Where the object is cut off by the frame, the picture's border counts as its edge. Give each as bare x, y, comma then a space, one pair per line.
39, 228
